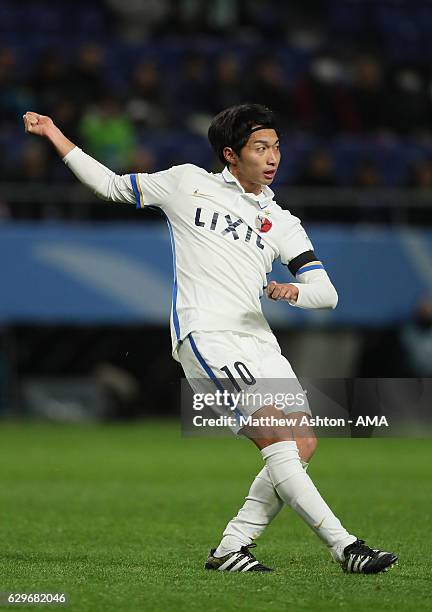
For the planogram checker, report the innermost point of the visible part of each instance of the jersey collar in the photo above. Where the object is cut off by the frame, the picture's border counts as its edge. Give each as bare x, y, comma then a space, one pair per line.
263, 199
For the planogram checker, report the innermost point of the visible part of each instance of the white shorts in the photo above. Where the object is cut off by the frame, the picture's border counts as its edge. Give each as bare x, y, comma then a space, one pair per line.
246, 364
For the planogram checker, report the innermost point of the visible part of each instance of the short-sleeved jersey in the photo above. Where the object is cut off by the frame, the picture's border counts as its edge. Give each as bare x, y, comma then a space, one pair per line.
222, 251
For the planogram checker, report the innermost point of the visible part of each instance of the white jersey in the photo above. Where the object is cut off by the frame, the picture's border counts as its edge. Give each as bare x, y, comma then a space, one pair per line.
224, 241
221, 258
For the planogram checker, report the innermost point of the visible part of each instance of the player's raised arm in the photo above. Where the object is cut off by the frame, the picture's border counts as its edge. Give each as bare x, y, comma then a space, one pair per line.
101, 180
156, 189
41, 125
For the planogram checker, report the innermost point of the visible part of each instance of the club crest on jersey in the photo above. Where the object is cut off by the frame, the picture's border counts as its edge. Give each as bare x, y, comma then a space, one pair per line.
263, 223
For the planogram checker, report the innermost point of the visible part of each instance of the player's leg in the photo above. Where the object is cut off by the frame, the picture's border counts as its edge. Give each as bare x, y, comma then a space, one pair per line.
208, 352
262, 502
204, 354
293, 485
282, 450
280, 453
262, 505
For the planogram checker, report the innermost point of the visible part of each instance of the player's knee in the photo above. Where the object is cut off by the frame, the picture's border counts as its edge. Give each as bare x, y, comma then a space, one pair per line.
307, 447
265, 436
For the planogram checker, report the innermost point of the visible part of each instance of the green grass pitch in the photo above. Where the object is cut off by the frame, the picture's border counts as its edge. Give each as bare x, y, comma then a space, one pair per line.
120, 517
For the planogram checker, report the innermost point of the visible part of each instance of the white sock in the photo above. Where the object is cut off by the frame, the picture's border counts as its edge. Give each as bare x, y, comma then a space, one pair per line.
261, 506
298, 491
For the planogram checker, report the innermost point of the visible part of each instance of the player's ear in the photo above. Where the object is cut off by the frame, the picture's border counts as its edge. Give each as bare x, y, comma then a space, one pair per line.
230, 156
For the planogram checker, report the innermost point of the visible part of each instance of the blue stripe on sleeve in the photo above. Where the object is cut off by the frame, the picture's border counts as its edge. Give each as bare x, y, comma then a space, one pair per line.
307, 268
133, 179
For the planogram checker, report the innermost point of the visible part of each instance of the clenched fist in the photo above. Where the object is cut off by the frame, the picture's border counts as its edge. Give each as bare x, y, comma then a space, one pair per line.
37, 124
282, 291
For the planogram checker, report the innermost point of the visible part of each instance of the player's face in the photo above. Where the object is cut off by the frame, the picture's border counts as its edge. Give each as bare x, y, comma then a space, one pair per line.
258, 161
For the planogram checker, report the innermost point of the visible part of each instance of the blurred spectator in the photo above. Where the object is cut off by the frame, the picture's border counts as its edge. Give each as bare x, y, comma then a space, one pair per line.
368, 177
86, 82
370, 93
322, 102
318, 171
193, 94
207, 16
416, 340
367, 174
268, 86
34, 165
7, 66
227, 88
421, 175
264, 18
137, 19
146, 99
410, 106
143, 160
15, 97
191, 16
67, 116
49, 81
222, 15
108, 134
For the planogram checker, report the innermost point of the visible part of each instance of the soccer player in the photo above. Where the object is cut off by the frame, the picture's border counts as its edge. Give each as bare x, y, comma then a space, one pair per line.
226, 230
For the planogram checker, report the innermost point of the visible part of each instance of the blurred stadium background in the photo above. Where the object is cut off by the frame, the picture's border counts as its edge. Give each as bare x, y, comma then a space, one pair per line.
85, 285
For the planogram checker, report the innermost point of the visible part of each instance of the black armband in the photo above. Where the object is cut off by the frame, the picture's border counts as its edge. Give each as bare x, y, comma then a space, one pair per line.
299, 261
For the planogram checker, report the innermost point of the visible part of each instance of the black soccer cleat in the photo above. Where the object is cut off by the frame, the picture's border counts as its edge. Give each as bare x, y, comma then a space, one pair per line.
360, 559
240, 561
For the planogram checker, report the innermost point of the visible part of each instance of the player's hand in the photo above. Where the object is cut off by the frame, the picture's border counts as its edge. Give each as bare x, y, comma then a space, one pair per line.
37, 124
282, 291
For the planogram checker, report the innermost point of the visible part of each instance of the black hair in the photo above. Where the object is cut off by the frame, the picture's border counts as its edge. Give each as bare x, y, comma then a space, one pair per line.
233, 126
